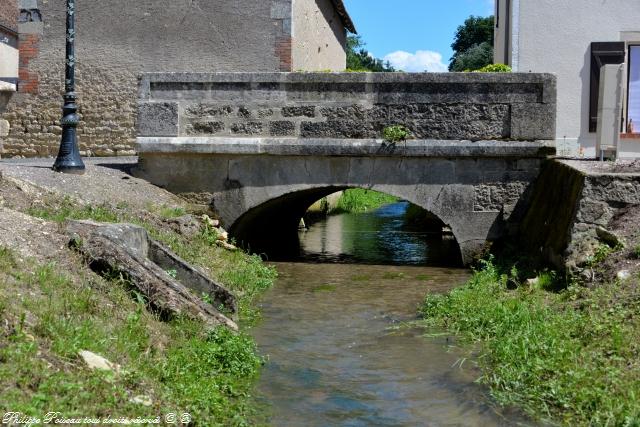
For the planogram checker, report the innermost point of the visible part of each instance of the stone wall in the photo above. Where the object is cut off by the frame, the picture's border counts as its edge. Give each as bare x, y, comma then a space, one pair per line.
319, 37
569, 204
8, 41
116, 41
9, 14
464, 106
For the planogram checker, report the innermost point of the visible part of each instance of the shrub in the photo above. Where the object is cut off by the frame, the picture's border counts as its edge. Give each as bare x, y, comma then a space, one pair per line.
395, 133
494, 68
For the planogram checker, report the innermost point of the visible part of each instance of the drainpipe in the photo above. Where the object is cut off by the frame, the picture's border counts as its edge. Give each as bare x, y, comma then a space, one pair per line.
515, 34
507, 31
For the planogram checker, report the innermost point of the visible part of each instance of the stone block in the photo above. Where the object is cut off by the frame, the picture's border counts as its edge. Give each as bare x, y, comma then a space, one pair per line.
158, 119
208, 110
306, 111
533, 122
282, 128
203, 128
338, 129
4, 128
244, 112
248, 128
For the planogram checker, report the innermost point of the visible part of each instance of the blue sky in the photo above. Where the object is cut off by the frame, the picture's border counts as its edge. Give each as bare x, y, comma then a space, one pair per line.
413, 34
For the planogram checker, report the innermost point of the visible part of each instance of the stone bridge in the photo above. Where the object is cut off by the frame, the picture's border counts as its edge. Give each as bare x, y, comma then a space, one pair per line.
260, 148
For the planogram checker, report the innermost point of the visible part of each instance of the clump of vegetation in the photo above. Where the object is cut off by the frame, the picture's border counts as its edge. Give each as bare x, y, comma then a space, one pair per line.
242, 273
569, 356
172, 212
395, 133
494, 68
178, 366
636, 252
358, 200
360, 60
473, 44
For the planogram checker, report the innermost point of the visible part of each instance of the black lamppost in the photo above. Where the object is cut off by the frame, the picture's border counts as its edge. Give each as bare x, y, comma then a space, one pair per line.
69, 160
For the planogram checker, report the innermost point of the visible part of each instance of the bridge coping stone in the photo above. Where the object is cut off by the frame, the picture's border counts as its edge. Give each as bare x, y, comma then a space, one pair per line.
342, 147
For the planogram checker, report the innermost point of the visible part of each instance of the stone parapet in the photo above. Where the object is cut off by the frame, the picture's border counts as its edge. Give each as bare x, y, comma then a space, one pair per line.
442, 106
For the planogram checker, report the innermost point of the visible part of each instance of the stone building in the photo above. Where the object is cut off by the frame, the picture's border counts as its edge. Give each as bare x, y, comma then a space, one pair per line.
119, 39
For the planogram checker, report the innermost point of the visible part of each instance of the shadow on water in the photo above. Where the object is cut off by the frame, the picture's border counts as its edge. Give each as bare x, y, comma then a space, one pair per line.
381, 236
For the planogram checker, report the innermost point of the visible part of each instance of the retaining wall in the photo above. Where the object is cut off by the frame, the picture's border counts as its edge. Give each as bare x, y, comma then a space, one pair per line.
570, 203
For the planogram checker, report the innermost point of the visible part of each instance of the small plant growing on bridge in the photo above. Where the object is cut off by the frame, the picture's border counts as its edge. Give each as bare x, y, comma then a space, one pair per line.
395, 133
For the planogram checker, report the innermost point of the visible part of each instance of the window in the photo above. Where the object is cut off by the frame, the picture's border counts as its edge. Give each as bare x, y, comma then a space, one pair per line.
602, 53
633, 98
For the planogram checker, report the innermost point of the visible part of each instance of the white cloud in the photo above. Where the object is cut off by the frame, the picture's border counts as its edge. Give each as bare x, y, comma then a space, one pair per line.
422, 60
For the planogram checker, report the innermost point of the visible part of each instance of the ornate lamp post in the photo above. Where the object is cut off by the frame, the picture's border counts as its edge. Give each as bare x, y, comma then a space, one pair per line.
69, 160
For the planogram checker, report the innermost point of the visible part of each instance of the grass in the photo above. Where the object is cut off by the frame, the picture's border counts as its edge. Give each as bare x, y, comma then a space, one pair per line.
357, 200
570, 356
180, 365
246, 275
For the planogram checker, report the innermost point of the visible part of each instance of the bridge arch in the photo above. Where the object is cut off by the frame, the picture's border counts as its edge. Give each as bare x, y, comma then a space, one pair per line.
276, 215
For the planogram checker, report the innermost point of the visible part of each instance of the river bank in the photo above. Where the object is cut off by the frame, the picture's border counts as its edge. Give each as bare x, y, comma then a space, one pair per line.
564, 352
54, 306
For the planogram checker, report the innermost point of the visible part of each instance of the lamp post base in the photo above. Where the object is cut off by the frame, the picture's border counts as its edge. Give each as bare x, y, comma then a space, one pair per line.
70, 168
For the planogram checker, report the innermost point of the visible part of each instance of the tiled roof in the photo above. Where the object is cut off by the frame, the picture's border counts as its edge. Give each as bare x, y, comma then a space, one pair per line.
346, 19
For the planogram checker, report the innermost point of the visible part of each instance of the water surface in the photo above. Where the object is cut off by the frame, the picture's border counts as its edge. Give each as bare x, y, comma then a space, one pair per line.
339, 350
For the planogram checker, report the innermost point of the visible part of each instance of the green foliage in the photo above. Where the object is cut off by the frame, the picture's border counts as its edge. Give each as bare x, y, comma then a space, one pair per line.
601, 253
476, 31
474, 58
569, 356
395, 133
636, 252
360, 60
66, 209
172, 212
244, 274
206, 376
357, 200
494, 68
181, 366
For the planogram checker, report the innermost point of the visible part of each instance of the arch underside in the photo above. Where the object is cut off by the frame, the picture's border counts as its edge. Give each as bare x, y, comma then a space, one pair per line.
276, 220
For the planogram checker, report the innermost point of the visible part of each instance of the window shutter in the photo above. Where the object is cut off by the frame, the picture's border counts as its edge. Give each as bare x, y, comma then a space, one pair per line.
601, 53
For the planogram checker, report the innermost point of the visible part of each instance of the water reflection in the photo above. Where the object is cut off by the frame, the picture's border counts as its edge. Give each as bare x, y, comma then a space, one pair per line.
377, 237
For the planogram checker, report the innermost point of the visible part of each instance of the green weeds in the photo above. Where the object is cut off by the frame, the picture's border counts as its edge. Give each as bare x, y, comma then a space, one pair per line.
570, 356
179, 366
357, 200
395, 133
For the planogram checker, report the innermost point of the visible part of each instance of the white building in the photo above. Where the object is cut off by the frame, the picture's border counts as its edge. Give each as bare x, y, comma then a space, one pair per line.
568, 38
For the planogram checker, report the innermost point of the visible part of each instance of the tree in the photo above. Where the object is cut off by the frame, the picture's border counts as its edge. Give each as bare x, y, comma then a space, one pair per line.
474, 58
476, 33
359, 59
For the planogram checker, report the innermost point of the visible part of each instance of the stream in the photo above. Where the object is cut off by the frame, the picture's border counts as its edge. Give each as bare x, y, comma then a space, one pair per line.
340, 352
